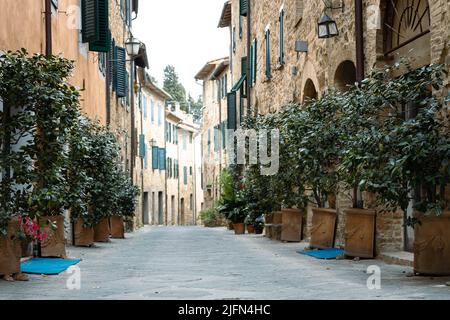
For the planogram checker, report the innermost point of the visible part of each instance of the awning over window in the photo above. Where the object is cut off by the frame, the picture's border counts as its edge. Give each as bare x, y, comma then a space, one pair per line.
239, 84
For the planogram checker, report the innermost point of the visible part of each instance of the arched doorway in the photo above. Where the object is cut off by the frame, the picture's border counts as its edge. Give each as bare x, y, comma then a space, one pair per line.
310, 91
345, 75
406, 31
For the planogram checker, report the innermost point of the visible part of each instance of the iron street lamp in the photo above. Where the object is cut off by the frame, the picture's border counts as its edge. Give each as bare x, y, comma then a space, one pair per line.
327, 26
132, 46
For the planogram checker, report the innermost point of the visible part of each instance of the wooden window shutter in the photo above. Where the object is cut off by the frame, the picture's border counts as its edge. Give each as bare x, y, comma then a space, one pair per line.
282, 37
155, 159
162, 158
142, 146
120, 73
244, 65
231, 110
243, 7
268, 65
90, 28
112, 63
102, 42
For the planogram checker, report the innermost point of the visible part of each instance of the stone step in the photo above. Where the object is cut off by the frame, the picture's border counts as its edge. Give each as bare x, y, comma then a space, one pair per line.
401, 258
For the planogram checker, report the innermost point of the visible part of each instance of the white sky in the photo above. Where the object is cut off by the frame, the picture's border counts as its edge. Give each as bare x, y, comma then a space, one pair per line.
182, 33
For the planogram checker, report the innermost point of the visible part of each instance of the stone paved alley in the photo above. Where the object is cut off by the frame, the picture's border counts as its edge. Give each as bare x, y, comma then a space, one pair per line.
199, 263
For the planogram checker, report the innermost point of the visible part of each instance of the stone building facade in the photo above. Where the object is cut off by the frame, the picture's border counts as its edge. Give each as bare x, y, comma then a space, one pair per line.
216, 77
281, 74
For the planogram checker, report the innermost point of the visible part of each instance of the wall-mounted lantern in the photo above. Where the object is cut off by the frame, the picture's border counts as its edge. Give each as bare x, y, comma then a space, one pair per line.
327, 26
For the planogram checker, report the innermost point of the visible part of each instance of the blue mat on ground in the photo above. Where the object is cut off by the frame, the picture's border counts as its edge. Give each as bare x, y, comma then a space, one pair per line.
323, 253
47, 266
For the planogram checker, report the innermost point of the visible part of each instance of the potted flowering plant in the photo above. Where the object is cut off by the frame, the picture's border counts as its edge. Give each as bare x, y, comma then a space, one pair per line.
31, 234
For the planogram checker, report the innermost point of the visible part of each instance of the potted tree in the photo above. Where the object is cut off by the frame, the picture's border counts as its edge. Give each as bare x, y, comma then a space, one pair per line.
126, 204
319, 154
288, 183
411, 169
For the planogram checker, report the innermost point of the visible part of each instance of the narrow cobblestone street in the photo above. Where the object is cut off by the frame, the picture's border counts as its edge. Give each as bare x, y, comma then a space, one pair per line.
199, 263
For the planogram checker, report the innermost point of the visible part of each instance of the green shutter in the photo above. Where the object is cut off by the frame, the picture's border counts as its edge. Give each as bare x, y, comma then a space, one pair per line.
282, 37
268, 65
185, 176
243, 7
162, 158
224, 136
112, 63
89, 25
155, 158
142, 145
231, 110
103, 40
120, 75
244, 65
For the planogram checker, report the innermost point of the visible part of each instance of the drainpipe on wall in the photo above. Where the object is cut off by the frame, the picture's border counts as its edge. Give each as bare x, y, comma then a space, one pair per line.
48, 28
249, 36
359, 29
359, 37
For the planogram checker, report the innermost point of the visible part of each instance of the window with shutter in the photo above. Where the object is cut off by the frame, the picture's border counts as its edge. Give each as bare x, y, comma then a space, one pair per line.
243, 7
155, 159
112, 64
162, 158
90, 28
142, 146
231, 110
185, 176
120, 74
152, 111
253, 62
240, 27
281, 37
268, 64
234, 39
103, 40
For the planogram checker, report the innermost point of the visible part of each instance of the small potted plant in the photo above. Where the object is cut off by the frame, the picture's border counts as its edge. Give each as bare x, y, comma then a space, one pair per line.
249, 222
237, 216
258, 224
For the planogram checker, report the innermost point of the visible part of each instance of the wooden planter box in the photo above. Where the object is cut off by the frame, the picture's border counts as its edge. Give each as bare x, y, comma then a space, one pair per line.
10, 250
273, 225
360, 233
102, 231
292, 222
117, 228
432, 245
268, 225
323, 228
55, 244
83, 237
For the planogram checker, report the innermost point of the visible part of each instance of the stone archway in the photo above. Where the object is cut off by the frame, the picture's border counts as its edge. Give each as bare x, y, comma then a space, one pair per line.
309, 91
310, 87
345, 75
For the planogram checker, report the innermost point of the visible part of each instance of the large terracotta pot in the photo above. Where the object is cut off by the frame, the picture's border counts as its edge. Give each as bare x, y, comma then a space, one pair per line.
117, 228
323, 228
102, 231
292, 222
10, 250
55, 244
432, 245
250, 228
83, 237
360, 233
239, 228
